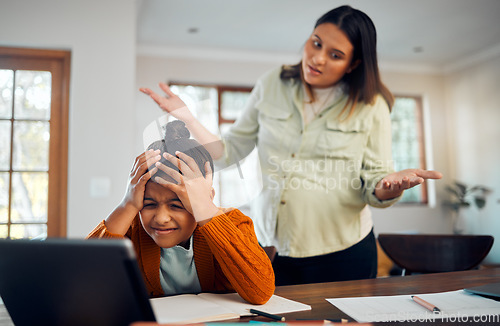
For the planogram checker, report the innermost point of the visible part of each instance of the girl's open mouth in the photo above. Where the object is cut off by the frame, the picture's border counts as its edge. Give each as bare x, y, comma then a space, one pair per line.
164, 231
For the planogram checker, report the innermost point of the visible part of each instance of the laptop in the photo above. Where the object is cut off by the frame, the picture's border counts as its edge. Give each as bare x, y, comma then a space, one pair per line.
491, 290
72, 282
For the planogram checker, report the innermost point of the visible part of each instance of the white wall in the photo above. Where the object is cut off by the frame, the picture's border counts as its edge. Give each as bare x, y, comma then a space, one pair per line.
414, 218
472, 95
102, 44
462, 107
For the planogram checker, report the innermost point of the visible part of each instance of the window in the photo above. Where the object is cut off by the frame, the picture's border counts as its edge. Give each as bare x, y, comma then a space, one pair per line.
217, 107
408, 142
33, 136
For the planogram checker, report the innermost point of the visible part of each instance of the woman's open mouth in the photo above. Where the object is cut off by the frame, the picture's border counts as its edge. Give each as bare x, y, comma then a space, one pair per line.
313, 70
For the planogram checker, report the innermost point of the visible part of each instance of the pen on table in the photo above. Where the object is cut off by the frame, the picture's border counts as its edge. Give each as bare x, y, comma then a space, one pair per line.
322, 321
268, 315
425, 304
342, 320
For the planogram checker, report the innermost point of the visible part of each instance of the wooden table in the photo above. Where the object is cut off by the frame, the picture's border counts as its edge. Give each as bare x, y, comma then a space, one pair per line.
315, 294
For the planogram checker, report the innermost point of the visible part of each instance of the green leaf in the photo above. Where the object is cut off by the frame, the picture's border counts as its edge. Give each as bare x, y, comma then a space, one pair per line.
482, 189
480, 202
461, 191
454, 192
461, 187
486, 191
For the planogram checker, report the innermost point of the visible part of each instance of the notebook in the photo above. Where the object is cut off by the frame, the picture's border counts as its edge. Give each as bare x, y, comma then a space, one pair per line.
491, 290
208, 307
72, 282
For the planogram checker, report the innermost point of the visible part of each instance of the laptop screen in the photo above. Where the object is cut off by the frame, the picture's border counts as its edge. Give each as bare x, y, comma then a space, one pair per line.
72, 282
490, 290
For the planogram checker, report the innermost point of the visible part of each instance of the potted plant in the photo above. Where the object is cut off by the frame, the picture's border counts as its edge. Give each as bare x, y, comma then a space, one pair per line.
464, 196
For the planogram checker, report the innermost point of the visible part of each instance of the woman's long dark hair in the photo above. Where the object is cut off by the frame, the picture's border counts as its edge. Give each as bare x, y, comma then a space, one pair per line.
364, 81
177, 138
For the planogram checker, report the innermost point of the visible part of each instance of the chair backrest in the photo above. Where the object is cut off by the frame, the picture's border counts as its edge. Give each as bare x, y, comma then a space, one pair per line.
434, 253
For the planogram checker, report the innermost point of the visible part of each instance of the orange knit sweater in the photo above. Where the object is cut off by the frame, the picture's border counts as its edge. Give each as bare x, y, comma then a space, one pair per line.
227, 257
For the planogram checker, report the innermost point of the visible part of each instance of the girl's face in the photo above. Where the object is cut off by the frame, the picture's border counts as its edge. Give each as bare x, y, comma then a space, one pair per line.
327, 56
164, 217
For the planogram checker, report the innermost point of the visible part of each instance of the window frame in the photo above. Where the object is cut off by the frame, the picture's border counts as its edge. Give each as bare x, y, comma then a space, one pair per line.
58, 62
220, 89
419, 121
220, 119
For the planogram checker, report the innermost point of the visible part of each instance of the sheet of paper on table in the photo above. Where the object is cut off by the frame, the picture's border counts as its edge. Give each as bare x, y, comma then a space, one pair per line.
455, 306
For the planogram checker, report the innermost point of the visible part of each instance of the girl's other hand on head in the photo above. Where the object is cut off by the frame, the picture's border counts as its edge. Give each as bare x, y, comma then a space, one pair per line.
193, 189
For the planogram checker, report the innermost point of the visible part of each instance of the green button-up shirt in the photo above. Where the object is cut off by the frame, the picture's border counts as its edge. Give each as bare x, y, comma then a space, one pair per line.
317, 178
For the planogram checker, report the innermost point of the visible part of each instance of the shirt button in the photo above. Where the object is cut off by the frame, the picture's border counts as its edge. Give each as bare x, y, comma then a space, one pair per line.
283, 202
293, 154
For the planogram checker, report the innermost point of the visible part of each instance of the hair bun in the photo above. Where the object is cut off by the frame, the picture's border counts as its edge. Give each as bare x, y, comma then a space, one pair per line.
176, 130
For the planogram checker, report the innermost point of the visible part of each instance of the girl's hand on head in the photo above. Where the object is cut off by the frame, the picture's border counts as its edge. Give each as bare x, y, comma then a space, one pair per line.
120, 219
170, 103
138, 177
193, 189
395, 183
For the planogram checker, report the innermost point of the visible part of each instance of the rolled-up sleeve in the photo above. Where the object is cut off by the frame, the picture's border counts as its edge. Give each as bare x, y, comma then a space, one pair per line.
101, 232
377, 157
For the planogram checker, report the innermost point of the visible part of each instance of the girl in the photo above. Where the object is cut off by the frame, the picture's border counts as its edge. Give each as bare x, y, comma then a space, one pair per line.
184, 243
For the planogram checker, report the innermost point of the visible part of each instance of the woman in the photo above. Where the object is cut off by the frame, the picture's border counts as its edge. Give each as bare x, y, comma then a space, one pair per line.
184, 243
322, 130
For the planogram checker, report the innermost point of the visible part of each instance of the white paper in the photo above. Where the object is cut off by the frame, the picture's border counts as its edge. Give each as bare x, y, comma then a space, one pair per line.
205, 307
454, 305
275, 305
188, 308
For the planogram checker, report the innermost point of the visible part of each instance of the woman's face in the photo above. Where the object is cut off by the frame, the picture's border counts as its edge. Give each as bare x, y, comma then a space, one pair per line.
164, 217
327, 56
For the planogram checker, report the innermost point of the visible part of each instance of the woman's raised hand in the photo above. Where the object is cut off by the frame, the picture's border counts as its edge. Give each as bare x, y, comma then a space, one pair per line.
193, 189
170, 103
393, 185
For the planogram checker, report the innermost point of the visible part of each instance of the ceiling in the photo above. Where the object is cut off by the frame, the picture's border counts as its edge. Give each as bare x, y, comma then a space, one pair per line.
426, 34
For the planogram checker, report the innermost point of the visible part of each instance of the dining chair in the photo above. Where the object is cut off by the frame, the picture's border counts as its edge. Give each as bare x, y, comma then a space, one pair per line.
435, 253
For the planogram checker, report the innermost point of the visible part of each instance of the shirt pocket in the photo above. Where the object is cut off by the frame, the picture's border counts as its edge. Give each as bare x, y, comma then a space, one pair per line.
273, 123
342, 140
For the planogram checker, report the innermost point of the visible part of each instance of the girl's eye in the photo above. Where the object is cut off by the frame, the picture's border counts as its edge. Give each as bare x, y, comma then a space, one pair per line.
149, 205
317, 44
176, 206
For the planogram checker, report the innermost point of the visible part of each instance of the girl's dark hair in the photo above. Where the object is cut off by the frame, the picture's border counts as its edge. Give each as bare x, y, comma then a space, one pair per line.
364, 81
177, 138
